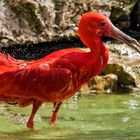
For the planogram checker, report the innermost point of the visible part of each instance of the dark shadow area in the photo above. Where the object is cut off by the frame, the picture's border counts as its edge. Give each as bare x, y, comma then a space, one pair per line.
134, 28
129, 23
36, 51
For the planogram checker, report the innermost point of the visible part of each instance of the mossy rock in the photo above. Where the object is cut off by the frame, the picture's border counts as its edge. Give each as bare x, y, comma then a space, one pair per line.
124, 78
104, 83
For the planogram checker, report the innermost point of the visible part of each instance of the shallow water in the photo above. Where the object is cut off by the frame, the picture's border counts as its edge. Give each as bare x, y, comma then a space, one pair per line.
97, 117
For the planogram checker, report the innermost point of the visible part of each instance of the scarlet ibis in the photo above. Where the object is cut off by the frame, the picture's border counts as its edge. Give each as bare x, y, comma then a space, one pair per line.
60, 74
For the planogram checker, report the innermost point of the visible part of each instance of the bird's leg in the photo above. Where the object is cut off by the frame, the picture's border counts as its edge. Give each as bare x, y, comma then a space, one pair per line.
36, 105
54, 105
55, 111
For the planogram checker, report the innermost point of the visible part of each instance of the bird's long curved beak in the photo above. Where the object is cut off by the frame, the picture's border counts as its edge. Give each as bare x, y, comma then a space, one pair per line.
121, 36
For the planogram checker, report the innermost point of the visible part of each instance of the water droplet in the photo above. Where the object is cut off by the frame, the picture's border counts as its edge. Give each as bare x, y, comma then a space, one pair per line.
125, 119
73, 102
82, 126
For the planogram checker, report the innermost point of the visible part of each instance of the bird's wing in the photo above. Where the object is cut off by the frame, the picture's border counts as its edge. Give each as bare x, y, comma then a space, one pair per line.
9, 60
35, 81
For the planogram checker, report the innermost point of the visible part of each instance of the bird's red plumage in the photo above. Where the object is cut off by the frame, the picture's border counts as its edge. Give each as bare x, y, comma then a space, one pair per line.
57, 76
61, 74
53, 78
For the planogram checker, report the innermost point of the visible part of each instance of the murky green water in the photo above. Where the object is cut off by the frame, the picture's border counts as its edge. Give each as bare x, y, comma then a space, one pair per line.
98, 117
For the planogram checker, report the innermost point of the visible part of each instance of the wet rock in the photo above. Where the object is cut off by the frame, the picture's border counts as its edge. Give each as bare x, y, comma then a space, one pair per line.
107, 83
33, 21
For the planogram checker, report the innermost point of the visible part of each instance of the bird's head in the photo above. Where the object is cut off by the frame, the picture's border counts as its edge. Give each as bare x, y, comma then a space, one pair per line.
94, 25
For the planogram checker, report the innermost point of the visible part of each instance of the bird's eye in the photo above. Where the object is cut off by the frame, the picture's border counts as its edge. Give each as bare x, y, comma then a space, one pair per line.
102, 23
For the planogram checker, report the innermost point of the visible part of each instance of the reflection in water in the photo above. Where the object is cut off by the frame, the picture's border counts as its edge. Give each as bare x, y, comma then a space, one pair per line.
99, 117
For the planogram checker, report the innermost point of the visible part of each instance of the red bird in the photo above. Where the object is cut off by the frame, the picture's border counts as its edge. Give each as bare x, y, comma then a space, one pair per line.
61, 74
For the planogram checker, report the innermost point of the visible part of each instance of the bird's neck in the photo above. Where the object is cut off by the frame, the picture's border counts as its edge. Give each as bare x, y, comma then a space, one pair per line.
98, 53
95, 45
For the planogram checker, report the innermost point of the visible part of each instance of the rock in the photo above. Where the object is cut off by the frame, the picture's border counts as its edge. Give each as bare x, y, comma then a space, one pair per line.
114, 78
124, 77
120, 13
126, 61
33, 21
124, 64
107, 83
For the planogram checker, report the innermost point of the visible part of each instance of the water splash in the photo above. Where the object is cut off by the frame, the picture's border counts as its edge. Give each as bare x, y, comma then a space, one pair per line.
16, 118
73, 102
125, 119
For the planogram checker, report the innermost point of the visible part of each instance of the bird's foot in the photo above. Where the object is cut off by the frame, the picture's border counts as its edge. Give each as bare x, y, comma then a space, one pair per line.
53, 119
52, 123
30, 124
